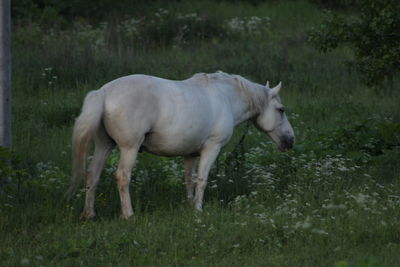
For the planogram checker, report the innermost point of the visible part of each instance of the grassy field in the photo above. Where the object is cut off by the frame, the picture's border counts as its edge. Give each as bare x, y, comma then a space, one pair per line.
332, 201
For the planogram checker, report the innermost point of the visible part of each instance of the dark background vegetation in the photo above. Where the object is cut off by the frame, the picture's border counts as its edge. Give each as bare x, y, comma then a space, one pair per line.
370, 26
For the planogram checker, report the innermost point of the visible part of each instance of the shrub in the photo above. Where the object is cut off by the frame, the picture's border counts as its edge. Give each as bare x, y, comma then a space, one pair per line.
372, 32
336, 4
360, 140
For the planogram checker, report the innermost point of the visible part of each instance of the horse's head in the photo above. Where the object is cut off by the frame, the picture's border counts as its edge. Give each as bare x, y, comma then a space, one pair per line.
272, 120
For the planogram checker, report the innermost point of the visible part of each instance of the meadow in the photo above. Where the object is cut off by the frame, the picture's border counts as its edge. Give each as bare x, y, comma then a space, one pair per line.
334, 200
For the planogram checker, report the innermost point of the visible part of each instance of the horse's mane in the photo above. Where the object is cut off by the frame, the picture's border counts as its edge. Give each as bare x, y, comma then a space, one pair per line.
254, 93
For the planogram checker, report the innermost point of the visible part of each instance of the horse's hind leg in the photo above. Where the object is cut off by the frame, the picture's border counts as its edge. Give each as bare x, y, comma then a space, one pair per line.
188, 163
123, 176
103, 147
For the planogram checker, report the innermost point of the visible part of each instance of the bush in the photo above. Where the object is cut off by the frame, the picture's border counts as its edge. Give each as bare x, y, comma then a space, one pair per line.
360, 141
336, 4
372, 32
52, 12
165, 28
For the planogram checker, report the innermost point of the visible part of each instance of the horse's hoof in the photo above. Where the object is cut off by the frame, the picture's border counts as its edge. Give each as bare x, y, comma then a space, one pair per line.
130, 217
85, 216
198, 208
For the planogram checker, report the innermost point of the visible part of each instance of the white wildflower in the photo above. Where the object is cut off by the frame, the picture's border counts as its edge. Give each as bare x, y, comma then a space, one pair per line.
319, 231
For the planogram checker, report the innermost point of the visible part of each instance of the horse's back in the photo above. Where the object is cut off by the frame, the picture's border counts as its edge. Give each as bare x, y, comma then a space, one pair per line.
148, 94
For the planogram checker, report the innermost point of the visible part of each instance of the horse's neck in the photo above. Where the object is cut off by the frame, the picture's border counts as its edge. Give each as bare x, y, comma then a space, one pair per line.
242, 108
242, 113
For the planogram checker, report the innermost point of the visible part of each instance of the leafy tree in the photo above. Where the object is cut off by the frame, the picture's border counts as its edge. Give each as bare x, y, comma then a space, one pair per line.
373, 31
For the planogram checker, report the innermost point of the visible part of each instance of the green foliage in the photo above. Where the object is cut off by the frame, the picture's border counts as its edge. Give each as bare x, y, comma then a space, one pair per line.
335, 4
162, 28
5, 169
165, 28
58, 13
50, 13
8, 170
360, 140
372, 32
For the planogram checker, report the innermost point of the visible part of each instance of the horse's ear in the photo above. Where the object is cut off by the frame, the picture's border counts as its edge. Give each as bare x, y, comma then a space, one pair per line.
274, 91
267, 85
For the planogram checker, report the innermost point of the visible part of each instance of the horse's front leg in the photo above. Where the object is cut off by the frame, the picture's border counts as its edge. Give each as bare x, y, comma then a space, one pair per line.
207, 158
188, 163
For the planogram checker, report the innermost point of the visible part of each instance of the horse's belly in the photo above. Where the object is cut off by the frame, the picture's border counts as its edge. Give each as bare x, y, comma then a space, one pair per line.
172, 145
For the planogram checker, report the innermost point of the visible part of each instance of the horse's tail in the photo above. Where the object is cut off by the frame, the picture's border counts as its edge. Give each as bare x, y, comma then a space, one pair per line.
84, 129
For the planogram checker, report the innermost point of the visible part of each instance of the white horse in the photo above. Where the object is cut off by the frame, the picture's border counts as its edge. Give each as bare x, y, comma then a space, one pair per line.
189, 118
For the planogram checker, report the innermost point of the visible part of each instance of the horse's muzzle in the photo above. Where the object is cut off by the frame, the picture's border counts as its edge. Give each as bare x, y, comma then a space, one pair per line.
286, 143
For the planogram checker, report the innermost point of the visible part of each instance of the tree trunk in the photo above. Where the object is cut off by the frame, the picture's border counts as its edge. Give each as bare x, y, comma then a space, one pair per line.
5, 74
5, 81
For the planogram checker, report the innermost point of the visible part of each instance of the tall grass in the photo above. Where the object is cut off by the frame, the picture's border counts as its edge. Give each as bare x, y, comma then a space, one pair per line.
333, 200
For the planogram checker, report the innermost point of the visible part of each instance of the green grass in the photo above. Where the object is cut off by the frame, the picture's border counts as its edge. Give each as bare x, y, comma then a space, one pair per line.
332, 201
